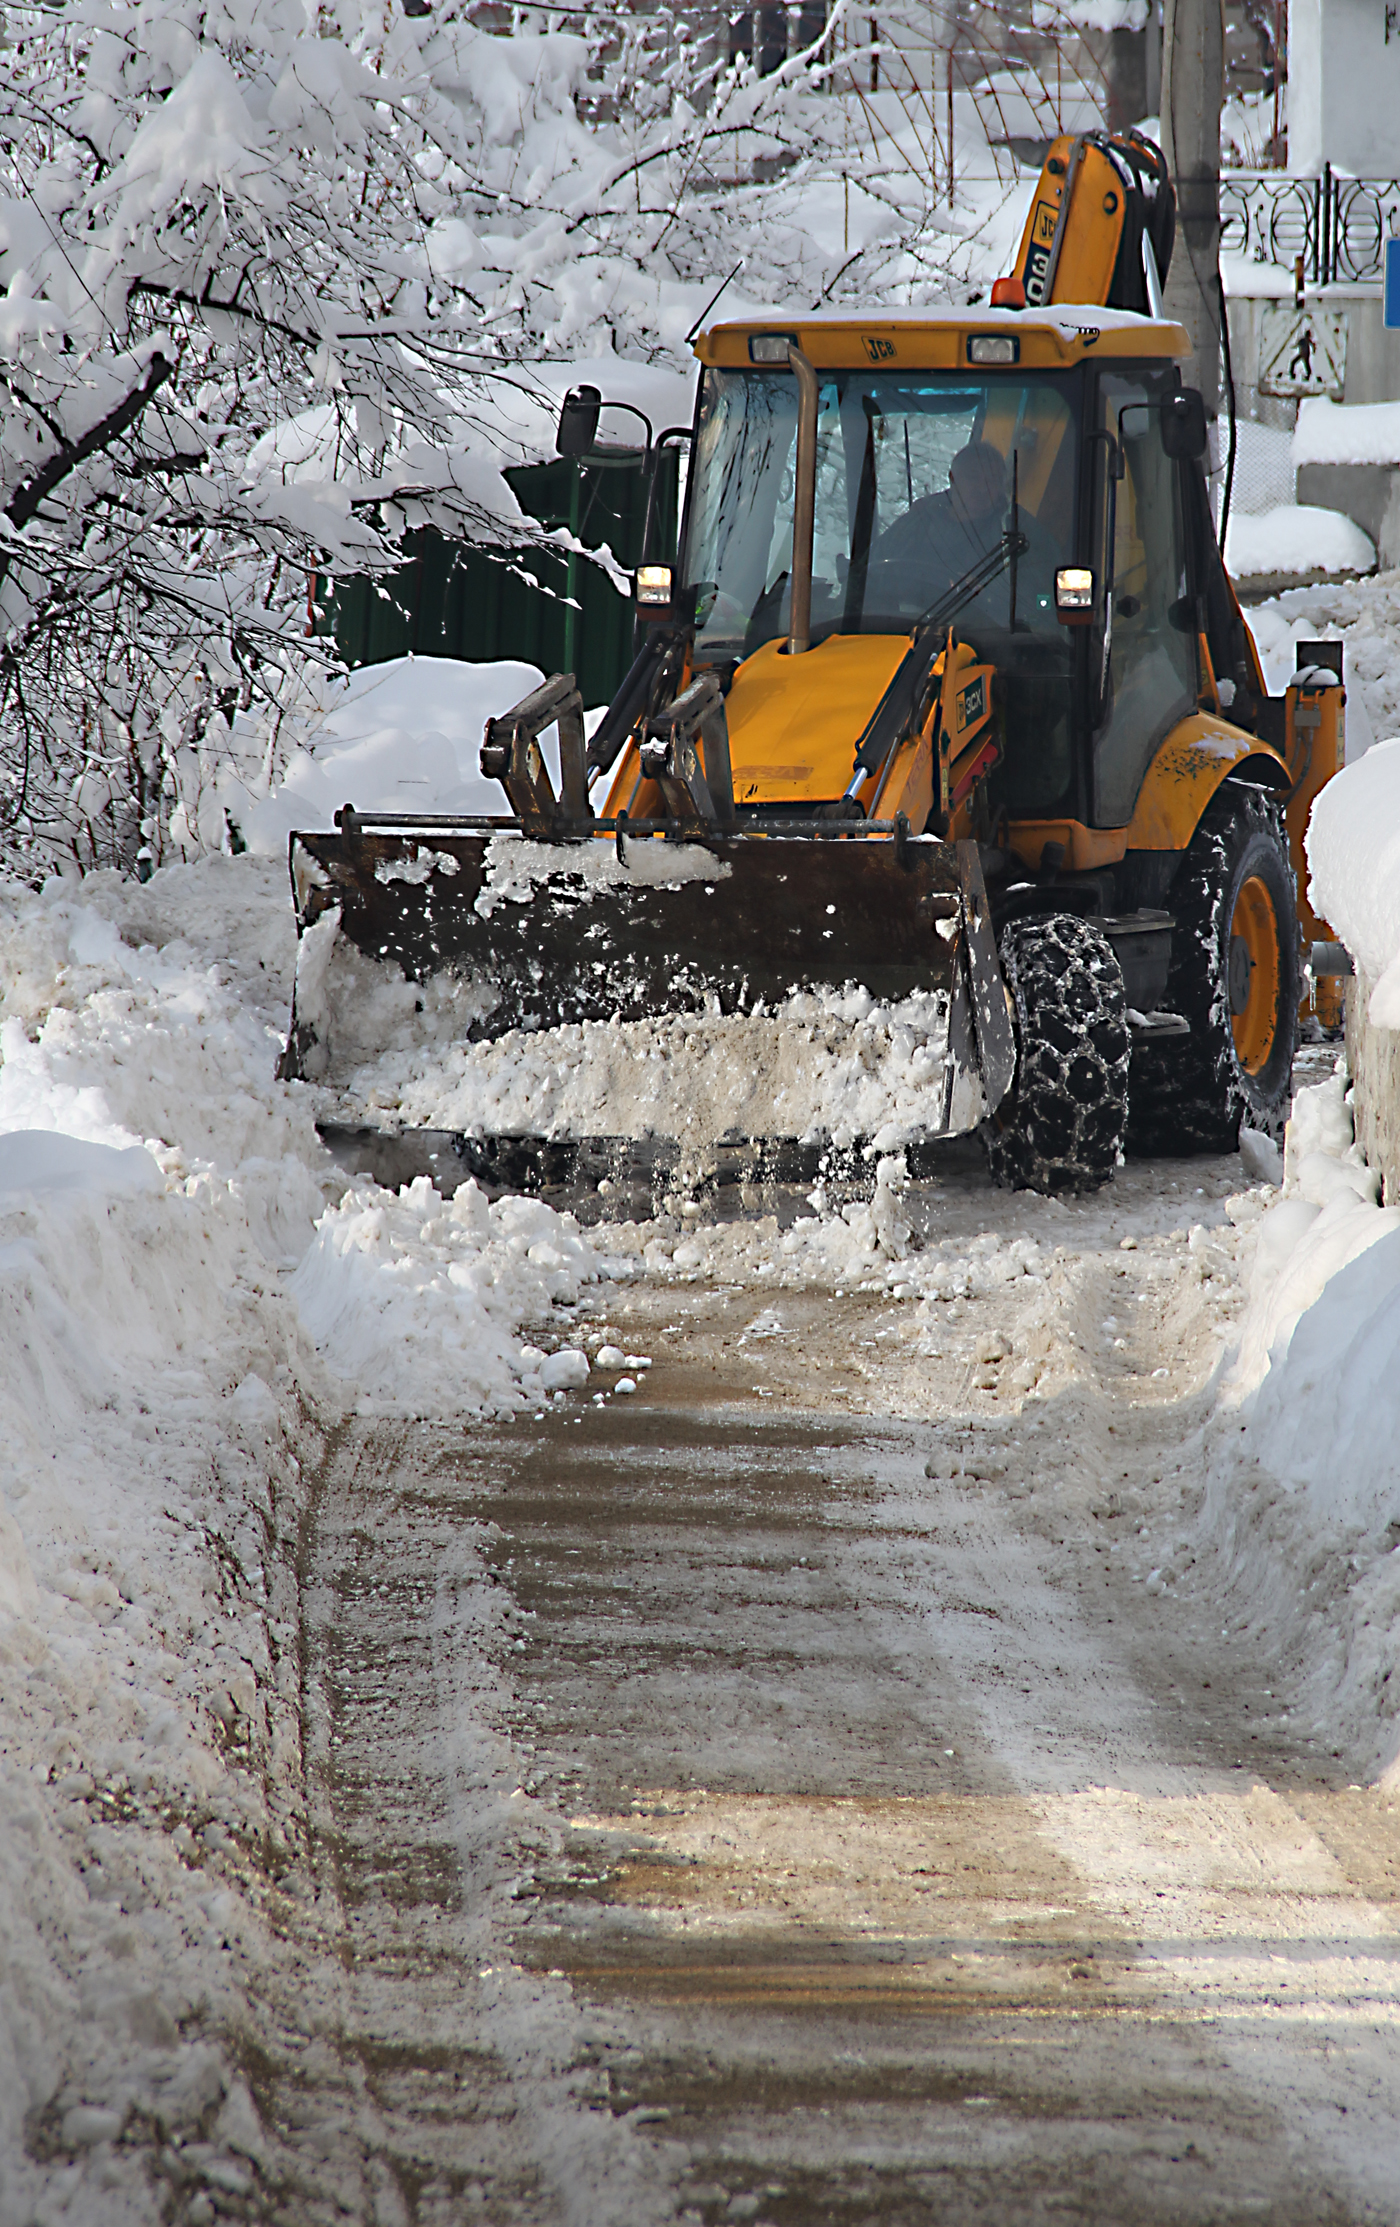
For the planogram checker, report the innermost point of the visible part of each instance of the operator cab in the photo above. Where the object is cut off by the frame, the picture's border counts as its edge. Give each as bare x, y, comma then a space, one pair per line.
1054, 439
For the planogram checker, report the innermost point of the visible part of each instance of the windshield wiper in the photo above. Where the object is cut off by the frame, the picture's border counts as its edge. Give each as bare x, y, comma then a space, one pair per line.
893, 716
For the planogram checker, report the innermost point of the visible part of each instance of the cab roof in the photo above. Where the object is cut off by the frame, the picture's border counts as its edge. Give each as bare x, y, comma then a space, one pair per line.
937, 339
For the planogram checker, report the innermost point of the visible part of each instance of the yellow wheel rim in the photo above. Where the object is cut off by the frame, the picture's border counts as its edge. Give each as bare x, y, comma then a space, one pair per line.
1253, 975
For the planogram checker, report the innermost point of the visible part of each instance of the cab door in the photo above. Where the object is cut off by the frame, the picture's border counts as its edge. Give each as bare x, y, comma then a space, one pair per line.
1146, 674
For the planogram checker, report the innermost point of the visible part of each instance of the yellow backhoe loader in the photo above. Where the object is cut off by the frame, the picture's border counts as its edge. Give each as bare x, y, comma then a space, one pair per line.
947, 690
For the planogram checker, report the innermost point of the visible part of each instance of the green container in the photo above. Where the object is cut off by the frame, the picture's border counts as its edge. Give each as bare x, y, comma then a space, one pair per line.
549, 608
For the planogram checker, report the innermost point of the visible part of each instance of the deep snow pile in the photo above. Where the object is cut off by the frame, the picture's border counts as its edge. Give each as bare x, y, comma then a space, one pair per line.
1303, 1496
831, 1067
404, 736
1365, 616
1330, 432
416, 1299
1353, 845
181, 1267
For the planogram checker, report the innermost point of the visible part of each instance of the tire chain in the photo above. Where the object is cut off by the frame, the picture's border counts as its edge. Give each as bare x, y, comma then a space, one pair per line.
1190, 1097
1063, 1130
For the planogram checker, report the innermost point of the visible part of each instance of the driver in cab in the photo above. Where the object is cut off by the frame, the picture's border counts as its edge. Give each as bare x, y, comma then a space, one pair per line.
941, 536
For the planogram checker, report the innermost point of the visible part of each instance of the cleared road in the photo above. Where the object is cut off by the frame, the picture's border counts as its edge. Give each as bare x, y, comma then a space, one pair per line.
732, 1803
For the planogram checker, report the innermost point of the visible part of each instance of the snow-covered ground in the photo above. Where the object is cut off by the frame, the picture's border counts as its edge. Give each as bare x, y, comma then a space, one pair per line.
195, 1300
190, 1296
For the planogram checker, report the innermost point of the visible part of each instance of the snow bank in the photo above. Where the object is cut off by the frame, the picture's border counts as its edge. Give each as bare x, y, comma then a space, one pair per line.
1365, 616
148, 1178
1353, 846
1247, 279
1330, 432
1295, 538
175, 1247
404, 736
1303, 1504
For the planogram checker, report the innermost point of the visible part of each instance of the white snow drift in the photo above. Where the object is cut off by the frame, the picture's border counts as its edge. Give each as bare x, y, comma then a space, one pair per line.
156, 1188
1354, 860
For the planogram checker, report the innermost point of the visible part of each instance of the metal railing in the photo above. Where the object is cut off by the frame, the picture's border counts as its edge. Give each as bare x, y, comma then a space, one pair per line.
1338, 225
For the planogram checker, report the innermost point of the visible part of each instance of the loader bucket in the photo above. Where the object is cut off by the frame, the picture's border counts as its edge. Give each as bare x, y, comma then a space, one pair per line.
465, 931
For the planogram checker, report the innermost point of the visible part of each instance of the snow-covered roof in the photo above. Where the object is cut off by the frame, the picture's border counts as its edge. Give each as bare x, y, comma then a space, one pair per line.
1072, 316
1061, 333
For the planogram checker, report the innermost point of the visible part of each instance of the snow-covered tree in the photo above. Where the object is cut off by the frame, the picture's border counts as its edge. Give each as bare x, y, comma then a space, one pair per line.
268, 268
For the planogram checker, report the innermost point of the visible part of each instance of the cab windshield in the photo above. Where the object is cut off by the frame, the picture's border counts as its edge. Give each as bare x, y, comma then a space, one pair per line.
915, 483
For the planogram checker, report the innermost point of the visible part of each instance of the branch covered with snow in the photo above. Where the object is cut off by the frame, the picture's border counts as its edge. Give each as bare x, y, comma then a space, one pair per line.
266, 276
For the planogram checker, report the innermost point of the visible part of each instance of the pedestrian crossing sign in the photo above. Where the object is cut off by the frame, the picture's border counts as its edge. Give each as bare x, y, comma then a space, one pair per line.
1302, 351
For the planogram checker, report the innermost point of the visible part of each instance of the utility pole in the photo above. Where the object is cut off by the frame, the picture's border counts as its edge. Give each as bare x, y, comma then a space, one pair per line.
1193, 83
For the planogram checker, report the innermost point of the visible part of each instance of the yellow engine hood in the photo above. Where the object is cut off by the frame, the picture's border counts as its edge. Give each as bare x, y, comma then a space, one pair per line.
794, 722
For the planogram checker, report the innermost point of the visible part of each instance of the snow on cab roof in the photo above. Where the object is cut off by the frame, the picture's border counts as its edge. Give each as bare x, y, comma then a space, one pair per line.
1064, 332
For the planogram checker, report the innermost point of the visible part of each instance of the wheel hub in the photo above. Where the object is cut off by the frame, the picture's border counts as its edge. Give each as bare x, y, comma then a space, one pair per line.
1252, 974
1241, 967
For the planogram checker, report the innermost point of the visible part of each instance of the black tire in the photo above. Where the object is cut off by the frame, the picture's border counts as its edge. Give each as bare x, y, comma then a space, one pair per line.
1190, 1093
1061, 1128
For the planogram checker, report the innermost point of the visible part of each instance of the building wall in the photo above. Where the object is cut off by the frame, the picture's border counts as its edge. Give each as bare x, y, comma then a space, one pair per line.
1343, 87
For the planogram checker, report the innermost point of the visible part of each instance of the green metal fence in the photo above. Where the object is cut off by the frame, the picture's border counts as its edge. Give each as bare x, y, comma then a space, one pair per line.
551, 608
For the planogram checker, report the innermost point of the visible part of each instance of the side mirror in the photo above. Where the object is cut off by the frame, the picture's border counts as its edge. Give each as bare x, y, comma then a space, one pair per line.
1184, 426
578, 421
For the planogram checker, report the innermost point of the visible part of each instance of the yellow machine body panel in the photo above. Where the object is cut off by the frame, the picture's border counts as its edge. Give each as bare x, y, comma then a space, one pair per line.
1072, 234
939, 341
794, 721
937, 768
1315, 743
1315, 732
1184, 775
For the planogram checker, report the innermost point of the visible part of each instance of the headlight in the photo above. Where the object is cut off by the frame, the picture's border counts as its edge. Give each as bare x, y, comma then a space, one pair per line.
653, 586
771, 347
1074, 593
993, 348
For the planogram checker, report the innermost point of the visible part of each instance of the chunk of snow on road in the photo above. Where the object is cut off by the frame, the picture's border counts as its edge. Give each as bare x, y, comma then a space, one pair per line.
416, 1300
565, 1371
1259, 1156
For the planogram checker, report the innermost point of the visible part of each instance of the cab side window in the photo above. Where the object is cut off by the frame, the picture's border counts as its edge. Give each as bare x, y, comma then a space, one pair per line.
1151, 677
